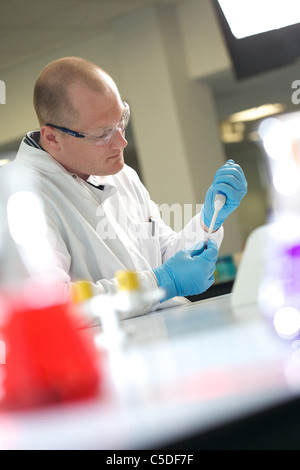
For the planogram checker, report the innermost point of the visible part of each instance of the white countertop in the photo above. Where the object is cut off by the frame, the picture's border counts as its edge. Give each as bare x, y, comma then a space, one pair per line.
182, 371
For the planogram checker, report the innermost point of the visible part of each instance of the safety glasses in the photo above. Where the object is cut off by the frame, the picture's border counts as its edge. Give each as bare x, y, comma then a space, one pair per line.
102, 135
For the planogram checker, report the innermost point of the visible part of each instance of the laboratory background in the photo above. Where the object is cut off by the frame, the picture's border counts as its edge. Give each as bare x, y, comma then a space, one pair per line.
199, 95
171, 64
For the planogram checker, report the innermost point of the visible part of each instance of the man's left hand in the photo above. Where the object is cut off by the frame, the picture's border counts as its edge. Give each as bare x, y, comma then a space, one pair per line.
231, 181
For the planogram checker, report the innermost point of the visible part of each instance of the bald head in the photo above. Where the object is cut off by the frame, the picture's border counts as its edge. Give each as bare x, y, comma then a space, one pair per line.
52, 98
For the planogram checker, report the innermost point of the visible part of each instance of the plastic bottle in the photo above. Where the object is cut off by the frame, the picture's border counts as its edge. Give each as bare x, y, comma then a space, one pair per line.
131, 300
279, 295
44, 357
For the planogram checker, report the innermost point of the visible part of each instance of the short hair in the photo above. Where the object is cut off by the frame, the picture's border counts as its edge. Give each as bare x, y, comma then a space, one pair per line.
51, 98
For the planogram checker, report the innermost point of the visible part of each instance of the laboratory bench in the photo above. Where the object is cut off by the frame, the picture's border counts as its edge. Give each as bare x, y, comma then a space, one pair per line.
199, 376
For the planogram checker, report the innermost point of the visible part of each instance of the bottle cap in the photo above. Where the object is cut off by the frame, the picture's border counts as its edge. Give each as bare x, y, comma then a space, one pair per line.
81, 291
127, 280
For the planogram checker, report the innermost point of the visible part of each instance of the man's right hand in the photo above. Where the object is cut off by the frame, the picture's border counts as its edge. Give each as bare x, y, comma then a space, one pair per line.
188, 272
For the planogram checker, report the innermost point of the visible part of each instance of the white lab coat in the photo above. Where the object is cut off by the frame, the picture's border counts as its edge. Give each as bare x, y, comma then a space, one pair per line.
100, 231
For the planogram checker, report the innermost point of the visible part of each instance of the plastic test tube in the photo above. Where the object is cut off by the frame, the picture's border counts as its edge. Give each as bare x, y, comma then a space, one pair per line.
220, 199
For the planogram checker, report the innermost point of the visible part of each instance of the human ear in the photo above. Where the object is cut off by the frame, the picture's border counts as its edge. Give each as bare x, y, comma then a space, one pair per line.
49, 138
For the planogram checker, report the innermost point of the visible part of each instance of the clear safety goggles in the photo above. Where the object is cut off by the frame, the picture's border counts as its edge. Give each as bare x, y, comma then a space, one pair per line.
102, 135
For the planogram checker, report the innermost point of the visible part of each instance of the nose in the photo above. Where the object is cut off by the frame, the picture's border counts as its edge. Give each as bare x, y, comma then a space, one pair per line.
118, 140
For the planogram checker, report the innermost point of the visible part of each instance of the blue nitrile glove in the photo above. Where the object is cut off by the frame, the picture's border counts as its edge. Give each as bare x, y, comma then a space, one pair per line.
188, 272
229, 179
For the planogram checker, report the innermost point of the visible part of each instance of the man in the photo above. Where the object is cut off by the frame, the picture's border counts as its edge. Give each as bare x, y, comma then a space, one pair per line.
100, 213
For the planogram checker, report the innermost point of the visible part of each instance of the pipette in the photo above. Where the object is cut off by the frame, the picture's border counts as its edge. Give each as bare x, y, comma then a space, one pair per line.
220, 199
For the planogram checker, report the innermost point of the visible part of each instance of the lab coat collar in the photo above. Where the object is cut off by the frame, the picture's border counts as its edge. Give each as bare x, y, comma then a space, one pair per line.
103, 184
40, 160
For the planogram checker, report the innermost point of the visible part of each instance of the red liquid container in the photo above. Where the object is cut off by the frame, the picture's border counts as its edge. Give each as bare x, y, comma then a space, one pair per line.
46, 358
